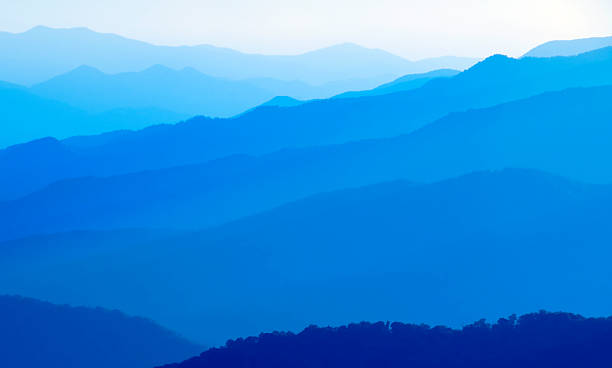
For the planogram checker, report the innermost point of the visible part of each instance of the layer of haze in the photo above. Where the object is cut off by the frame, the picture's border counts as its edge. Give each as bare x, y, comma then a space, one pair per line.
410, 28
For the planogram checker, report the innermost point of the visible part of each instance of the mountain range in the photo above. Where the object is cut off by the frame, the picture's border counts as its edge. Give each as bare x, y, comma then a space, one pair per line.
223, 194
494, 81
27, 116
184, 91
405, 83
395, 251
86, 101
569, 47
35, 334
516, 134
42, 53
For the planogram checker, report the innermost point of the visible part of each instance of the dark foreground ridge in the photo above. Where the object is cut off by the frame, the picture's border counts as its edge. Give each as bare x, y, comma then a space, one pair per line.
534, 340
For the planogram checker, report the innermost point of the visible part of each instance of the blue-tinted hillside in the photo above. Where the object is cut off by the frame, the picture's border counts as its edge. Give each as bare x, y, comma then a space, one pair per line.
26, 116
405, 83
397, 251
569, 47
184, 91
564, 132
267, 129
38, 334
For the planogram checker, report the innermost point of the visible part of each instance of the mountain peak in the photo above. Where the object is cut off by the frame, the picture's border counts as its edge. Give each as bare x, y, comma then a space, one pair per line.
158, 68
40, 29
82, 69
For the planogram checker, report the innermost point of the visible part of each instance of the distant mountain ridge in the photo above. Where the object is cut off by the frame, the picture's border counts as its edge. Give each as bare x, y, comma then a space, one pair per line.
27, 116
266, 129
562, 132
184, 91
405, 83
42, 53
39, 334
569, 47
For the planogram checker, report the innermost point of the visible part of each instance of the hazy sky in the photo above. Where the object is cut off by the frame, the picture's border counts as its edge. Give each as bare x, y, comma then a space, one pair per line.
410, 28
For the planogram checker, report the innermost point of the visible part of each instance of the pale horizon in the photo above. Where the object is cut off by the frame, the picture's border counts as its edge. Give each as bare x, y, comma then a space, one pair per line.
408, 29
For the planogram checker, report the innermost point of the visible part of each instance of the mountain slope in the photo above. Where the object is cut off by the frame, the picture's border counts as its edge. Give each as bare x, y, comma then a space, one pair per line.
185, 91
26, 116
283, 101
534, 340
524, 239
563, 132
264, 130
405, 83
42, 53
38, 334
569, 47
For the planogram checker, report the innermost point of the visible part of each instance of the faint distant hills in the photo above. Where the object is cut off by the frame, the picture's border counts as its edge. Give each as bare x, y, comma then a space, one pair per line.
496, 80
42, 53
184, 91
39, 334
27, 116
86, 101
391, 251
569, 47
405, 83
535, 340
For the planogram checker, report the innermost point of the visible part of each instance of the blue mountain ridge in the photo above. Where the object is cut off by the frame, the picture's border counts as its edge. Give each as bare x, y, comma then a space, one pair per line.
560, 132
496, 80
392, 251
42, 53
39, 334
569, 47
27, 116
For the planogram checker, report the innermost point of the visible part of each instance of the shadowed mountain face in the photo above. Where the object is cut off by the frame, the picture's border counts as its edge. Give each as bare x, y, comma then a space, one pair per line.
267, 129
42, 53
38, 334
394, 251
569, 47
563, 132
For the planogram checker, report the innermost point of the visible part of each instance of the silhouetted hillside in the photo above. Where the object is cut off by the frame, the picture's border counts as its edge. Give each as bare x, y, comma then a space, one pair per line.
42, 53
36, 334
533, 341
564, 132
569, 47
396, 251
267, 129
